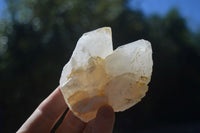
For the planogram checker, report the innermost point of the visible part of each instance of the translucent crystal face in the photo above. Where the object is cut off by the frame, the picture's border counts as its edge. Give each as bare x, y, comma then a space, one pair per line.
96, 75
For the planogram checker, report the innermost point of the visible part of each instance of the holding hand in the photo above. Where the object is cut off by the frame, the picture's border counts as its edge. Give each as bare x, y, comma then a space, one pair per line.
51, 109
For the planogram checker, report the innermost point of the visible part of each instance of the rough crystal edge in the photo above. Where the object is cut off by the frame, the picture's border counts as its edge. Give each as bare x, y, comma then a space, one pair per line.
106, 29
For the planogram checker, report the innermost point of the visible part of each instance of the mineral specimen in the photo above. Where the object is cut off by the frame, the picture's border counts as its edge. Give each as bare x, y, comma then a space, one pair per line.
96, 75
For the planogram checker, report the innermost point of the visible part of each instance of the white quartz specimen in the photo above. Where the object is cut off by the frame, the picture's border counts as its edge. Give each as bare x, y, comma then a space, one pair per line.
96, 75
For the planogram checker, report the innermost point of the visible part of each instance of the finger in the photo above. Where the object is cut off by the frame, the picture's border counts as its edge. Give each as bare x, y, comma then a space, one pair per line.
71, 124
89, 126
104, 120
45, 116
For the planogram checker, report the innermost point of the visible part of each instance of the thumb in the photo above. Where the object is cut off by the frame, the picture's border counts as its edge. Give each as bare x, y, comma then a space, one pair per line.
104, 120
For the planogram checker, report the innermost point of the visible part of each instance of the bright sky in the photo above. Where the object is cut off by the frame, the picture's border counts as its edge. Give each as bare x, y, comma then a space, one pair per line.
2, 7
189, 9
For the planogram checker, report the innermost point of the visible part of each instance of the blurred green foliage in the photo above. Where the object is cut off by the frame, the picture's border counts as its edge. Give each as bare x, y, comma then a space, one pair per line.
38, 38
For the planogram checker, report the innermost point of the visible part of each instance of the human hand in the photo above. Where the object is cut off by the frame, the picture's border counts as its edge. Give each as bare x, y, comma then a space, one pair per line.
51, 109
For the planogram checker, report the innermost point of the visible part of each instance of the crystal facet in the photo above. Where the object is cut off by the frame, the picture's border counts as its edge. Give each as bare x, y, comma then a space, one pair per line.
96, 75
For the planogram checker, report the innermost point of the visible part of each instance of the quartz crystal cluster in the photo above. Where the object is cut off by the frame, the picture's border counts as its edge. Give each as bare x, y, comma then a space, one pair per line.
96, 75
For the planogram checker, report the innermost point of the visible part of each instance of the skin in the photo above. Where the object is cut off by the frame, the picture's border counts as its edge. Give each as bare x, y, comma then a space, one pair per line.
49, 111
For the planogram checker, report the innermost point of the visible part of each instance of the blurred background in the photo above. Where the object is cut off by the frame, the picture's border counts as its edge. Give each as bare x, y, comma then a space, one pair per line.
37, 37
